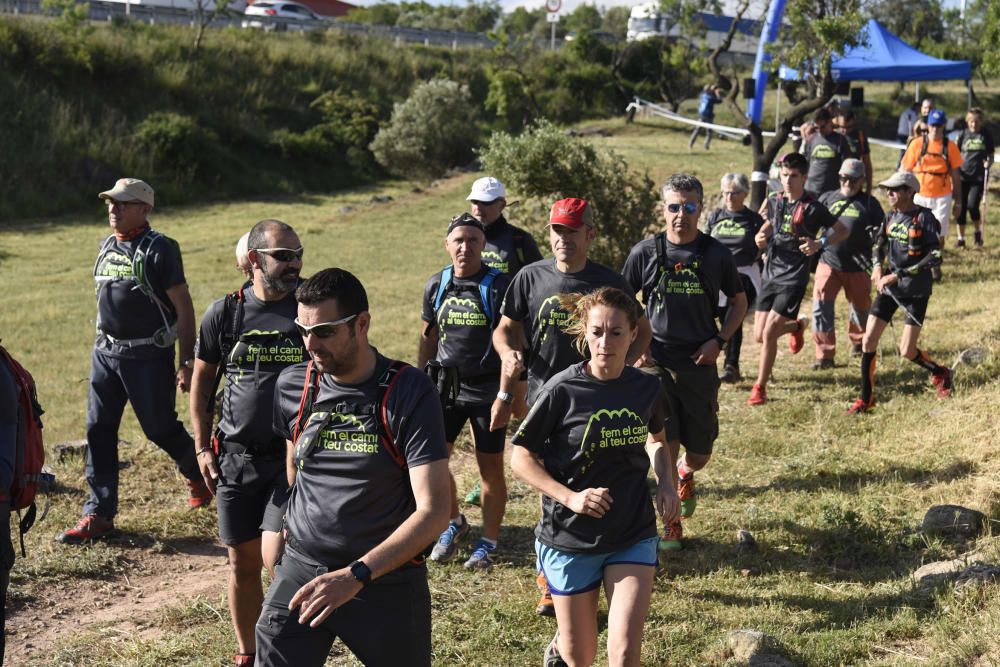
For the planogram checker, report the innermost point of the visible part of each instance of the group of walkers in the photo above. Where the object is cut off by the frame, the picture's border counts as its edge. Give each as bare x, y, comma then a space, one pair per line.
329, 461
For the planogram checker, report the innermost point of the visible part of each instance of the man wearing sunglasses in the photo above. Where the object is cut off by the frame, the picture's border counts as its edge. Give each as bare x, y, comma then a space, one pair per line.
250, 338
532, 313
825, 150
370, 492
143, 307
846, 123
681, 272
508, 248
845, 264
793, 220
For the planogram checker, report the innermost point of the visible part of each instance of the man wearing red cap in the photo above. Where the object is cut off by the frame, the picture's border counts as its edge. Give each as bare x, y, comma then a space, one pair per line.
531, 312
680, 273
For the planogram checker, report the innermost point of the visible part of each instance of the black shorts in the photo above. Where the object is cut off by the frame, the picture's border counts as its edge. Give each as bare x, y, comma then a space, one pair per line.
388, 623
782, 299
251, 496
487, 441
692, 404
884, 307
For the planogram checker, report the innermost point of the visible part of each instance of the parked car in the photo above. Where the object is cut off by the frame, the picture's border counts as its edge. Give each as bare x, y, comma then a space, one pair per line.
280, 15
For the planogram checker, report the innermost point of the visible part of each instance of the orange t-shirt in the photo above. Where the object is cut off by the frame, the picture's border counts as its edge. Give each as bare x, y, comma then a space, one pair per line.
932, 171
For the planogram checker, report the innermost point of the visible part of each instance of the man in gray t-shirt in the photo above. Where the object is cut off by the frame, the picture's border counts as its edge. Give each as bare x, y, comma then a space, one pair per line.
826, 151
369, 466
248, 338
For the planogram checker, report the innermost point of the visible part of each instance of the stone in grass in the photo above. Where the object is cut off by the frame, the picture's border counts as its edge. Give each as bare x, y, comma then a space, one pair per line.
953, 521
71, 448
745, 644
745, 541
977, 575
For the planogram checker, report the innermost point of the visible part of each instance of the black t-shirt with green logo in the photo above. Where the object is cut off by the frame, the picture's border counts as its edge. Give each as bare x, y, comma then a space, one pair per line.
533, 300
976, 147
509, 248
904, 248
863, 216
465, 333
857, 144
786, 265
350, 494
825, 154
683, 304
591, 433
736, 230
267, 344
123, 311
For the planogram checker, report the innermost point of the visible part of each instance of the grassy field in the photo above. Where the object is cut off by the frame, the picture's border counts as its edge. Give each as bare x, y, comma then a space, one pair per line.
835, 502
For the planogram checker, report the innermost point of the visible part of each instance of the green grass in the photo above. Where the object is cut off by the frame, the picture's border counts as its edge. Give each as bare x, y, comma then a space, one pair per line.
835, 502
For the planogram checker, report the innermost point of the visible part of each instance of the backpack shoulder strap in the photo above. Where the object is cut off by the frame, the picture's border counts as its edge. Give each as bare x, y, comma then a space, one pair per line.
446, 274
485, 285
519, 246
232, 315
105, 246
386, 384
309, 388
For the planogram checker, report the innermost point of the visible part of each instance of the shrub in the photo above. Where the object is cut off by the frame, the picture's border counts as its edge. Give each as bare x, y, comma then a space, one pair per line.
433, 130
545, 164
173, 139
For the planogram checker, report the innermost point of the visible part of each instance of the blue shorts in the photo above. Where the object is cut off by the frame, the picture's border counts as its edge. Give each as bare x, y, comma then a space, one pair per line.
569, 573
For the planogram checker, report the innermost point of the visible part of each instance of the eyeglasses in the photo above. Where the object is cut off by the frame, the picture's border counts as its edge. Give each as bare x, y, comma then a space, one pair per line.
689, 207
283, 254
323, 329
847, 179
894, 191
112, 203
484, 203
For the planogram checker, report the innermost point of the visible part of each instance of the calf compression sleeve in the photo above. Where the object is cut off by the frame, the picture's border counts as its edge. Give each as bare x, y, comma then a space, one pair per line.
924, 361
867, 376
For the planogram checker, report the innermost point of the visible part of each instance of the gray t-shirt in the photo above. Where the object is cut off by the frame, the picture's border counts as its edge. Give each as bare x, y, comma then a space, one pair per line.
465, 333
268, 342
350, 494
509, 248
825, 155
685, 294
592, 433
533, 300
791, 223
863, 216
123, 311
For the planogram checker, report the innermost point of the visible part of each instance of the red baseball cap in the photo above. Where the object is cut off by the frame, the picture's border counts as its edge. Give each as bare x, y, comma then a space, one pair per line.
572, 212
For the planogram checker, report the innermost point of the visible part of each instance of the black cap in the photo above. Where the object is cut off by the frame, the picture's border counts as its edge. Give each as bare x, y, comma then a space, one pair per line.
465, 220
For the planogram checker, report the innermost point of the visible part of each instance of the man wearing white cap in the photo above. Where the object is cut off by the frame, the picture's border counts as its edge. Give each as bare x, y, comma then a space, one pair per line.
508, 248
143, 308
845, 264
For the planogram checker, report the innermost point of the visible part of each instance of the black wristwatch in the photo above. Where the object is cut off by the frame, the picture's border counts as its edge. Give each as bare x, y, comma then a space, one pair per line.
721, 341
361, 572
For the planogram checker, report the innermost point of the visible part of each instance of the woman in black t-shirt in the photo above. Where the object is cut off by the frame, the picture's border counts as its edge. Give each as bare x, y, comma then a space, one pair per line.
587, 445
977, 158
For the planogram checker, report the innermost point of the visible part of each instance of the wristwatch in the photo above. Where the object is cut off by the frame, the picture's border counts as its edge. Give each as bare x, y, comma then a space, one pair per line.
361, 572
188, 363
506, 397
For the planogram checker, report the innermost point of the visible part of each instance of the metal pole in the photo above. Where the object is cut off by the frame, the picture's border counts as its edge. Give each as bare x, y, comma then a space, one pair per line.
777, 105
552, 41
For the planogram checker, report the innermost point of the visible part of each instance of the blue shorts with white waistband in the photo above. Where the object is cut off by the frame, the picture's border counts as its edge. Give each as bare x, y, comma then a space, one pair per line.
570, 573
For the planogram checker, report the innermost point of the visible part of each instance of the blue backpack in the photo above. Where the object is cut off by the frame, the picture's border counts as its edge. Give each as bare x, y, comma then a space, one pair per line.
484, 289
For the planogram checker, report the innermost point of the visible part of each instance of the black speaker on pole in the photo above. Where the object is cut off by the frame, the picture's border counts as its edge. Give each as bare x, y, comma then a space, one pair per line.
842, 88
858, 97
749, 87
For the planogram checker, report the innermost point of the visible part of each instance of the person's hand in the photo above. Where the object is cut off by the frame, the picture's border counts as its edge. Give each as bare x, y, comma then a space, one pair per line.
499, 414
183, 378
707, 353
760, 238
209, 469
321, 596
668, 503
591, 502
885, 282
810, 247
645, 360
512, 364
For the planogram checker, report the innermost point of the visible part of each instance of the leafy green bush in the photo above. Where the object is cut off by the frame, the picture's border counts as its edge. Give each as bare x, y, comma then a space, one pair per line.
171, 140
433, 130
545, 164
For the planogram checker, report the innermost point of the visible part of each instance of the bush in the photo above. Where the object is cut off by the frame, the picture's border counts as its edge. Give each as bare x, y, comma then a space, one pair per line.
433, 130
545, 164
171, 139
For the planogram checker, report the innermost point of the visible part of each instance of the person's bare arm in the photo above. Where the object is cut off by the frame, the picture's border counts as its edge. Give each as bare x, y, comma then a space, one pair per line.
202, 381
290, 461
668, 504
838, 233
643, 337
594, 502
427, 345
180, 297
508, 341
956, 190
321, 596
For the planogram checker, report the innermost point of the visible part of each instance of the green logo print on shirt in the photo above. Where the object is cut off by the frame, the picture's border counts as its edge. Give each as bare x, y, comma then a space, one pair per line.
459, 312
608, 429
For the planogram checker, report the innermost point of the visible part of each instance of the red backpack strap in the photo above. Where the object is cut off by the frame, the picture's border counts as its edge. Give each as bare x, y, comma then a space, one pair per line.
309, 388
385, 386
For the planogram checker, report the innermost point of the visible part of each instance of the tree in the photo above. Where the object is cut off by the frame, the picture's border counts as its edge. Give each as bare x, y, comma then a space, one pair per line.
660, 68
583, 19
991, 35
615, 21
206, 11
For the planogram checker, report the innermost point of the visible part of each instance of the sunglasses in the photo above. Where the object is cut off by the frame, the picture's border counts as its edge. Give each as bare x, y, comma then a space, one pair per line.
484, 203
847, 179
894, 191
689, 207
323, 329
282, 254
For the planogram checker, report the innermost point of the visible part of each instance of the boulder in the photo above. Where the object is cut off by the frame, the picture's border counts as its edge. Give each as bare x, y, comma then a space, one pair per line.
953, 521
977, 575
745, 644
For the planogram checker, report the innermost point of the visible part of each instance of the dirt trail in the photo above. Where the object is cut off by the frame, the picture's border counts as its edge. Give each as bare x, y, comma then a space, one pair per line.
170, 574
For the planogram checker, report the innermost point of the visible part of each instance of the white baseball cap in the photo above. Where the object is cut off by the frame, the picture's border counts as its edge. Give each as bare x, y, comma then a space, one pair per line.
487, 189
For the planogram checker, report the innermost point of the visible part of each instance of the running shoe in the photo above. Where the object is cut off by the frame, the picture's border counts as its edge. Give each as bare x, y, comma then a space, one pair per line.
979, 239
671, 540
244, 659
758, 396
796, 340
552, 657
482, 556
960, 243
730, 374
942, 382
860, 407
447, 544
91, 527
200, 496
822, 364
545, 606
687, 494
474, 496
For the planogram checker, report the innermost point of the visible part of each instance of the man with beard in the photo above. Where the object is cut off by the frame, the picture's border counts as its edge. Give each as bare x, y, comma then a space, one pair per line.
143, 308
248, 338
825, 151
366, 450
680, 273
